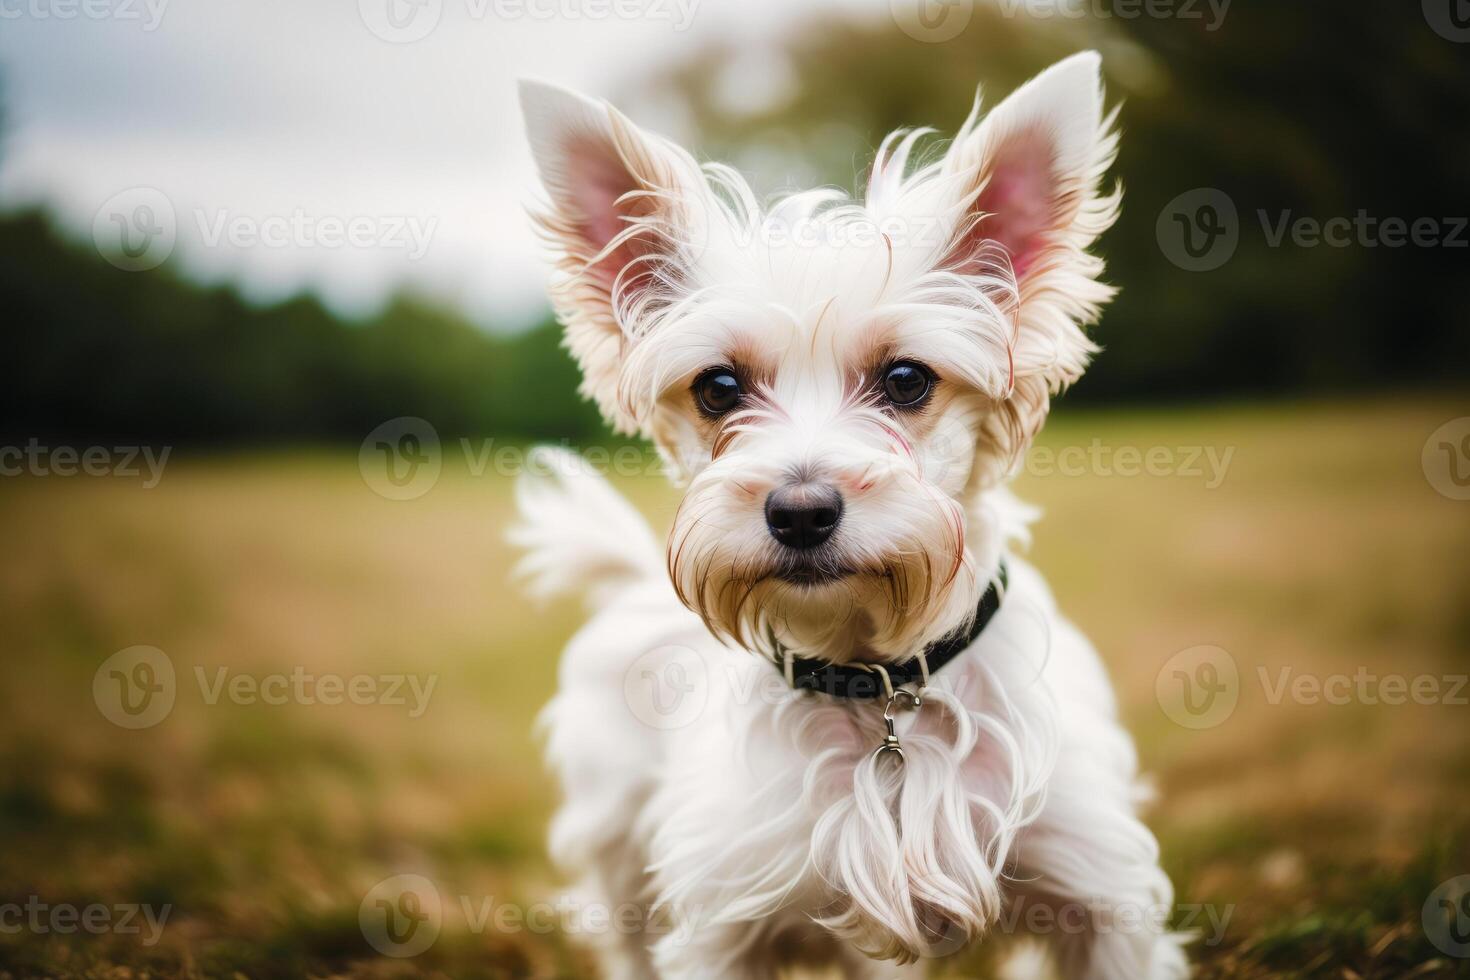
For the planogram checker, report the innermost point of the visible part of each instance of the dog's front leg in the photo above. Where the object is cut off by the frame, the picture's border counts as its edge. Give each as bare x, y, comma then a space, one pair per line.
1091, 886
1100, 938
856, 966
737, 950
760, 950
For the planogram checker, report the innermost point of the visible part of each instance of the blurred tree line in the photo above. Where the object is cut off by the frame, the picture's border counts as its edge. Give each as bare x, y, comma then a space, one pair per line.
98, 352
1311, 109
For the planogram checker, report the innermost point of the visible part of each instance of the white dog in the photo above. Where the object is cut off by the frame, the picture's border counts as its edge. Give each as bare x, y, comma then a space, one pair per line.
844, 388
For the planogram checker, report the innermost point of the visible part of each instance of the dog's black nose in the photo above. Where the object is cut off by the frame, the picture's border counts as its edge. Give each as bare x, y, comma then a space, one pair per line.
804, 515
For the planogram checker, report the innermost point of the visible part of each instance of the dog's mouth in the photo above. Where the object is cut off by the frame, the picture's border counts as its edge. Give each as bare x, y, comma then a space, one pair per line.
812, 572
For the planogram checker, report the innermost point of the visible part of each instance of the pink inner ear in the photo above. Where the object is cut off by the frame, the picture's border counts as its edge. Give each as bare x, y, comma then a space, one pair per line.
597, 183
1020, 199
598, 179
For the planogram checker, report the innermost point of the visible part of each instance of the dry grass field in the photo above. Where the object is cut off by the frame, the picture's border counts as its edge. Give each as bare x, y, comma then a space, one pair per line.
260, 828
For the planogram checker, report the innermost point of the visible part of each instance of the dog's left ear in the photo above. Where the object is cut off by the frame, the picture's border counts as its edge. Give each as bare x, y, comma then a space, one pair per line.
1026, 178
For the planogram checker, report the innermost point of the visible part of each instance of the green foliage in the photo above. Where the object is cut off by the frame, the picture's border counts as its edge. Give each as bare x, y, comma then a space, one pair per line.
105, 353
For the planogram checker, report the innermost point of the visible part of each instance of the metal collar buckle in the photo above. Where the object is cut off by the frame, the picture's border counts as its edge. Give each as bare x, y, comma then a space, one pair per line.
890, 741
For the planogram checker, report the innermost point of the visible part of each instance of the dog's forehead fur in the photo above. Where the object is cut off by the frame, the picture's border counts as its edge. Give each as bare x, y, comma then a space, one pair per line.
818, 287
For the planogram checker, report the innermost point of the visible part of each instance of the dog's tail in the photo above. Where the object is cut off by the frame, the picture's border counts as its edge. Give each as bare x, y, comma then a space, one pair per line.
579, 535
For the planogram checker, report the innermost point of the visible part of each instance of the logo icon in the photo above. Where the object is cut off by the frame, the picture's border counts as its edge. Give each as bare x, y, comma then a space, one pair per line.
135, 688
400, 459
1199, 687
1446, 917
1446, 459
1199, 230
401, 21
948, 451
1450, 19
401, 916
932, 21
136, 229
667, 687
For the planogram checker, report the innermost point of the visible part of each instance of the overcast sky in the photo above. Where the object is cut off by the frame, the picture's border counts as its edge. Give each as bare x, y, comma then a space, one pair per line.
268, 126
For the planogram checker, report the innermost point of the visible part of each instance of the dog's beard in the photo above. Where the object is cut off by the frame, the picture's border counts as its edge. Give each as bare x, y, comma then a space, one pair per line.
896, 575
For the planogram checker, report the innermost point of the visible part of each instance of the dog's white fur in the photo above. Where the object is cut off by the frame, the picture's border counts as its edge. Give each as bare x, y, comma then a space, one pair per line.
760, 824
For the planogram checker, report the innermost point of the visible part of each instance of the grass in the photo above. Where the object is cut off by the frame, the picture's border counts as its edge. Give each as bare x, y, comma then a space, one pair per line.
1323, 828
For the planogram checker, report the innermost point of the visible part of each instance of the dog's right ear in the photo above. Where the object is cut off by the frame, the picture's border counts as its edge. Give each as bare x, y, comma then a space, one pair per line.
620, 224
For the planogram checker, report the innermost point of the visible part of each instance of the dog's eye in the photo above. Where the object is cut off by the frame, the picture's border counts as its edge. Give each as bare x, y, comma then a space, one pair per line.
906, 383
717, 391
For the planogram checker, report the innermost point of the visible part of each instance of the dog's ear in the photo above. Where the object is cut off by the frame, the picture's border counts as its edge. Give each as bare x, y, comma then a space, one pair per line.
1026, 178
619, 225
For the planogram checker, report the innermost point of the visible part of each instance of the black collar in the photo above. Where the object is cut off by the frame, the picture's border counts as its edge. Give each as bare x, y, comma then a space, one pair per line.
848, 681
